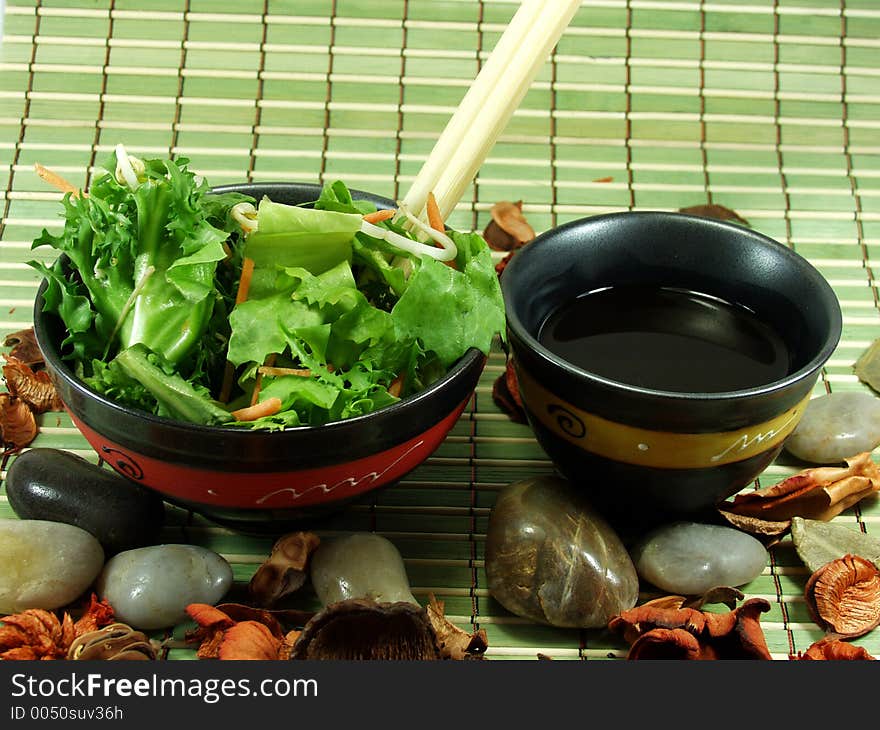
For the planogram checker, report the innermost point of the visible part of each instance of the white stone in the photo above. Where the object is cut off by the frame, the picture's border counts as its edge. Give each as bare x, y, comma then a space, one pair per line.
359, 565
836, 426
45, 564
150, 587
689, 558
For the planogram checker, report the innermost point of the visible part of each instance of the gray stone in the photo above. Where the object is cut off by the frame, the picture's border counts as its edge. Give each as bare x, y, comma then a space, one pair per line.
150, 587
836, 426
818, 542
689, 558
551, 558
45, 564
360, 565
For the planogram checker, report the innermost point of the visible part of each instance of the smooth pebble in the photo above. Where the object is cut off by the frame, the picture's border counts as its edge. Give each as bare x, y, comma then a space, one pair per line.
57, 485
689, 558
551, 558
835, 427
360, 565
150, 587
45, 564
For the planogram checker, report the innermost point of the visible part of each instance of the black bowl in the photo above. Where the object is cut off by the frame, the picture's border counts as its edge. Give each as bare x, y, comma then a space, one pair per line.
256, 480
646, 456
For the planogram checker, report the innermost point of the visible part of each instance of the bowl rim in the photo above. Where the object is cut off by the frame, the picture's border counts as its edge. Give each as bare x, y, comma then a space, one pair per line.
471, 359
515, 326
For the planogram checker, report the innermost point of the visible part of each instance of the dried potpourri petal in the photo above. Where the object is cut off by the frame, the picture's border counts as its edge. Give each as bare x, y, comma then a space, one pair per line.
655, 632
285, 570
217, 640
39, 634
508, 230
727, 595
712, 210
843, 596
33, 387
35, 634
97, 614
24, 347
115, 642
506, 395
17, 424
249, 640
832, 648
454, 643
819, 493
867, 367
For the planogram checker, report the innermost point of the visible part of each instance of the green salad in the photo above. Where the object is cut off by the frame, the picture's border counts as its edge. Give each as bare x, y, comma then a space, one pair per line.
215, 308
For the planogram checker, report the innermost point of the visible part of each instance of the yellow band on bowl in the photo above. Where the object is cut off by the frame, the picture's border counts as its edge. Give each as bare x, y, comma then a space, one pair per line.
644, 447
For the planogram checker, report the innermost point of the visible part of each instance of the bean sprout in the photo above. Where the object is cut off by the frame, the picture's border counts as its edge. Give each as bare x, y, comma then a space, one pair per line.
447, 253
245, 214
128, 168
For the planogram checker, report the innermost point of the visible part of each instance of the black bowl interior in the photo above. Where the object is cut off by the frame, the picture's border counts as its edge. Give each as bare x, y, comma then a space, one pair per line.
242, 449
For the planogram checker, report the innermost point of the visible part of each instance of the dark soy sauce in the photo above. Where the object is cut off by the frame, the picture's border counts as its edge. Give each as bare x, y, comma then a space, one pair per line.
666, 339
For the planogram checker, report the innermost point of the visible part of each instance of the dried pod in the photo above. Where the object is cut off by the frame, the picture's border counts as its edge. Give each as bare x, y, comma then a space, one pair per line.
285, 570
656, 632
844, 596
24, 347
116, 642
508, 229
712, 210
819, 493
17, 423
830, 648
362, 629
454, 643
33, 387
666, 644
237, 631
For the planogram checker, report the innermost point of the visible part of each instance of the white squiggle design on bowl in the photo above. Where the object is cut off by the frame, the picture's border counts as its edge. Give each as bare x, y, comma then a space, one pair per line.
745, 441
373, 476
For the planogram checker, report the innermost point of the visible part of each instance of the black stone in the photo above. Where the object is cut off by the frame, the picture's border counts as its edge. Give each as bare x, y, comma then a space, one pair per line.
57, 485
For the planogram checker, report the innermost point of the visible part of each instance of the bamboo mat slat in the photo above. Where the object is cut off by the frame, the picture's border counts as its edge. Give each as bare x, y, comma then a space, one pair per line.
771, 108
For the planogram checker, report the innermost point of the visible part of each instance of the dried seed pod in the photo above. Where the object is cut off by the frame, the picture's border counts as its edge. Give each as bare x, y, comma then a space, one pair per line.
285, 570
835, 649
844, 596
508, 229
24, 347
114, 642
360, 628
17, 424
34, 387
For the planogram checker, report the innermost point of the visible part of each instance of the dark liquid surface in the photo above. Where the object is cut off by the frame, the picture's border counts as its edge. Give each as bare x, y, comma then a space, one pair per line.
666, 339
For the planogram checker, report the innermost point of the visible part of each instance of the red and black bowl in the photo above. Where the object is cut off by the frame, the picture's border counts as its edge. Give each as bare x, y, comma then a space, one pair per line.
259, 480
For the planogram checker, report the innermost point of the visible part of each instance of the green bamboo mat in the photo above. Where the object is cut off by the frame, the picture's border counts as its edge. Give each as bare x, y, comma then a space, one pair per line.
768, 107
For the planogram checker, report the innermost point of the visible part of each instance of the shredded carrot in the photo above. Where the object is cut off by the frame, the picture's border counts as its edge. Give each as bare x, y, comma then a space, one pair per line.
396, 386
268, 362
604, 179
244, 283
435, 220
278, 372
56, 181
379, 216
268, 407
